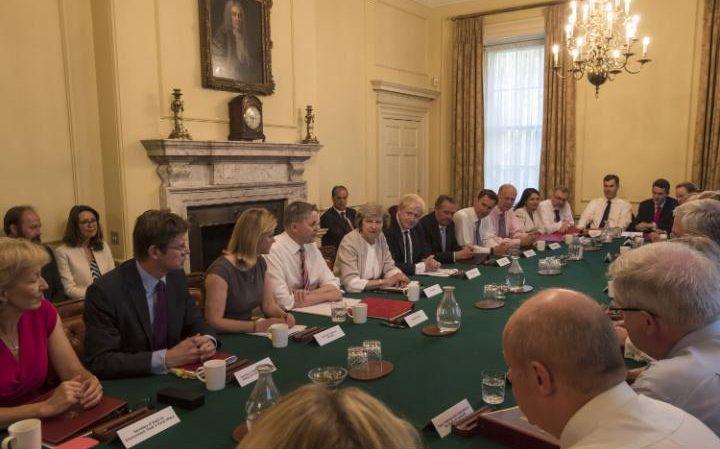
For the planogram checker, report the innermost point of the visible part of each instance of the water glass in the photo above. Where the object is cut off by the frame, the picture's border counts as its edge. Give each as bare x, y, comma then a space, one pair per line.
489, 292
338, 311
493, 386
357, 357
373, 349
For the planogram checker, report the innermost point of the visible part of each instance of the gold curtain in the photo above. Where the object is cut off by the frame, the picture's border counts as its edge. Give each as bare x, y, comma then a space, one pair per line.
468, 136
706, 160
557, 159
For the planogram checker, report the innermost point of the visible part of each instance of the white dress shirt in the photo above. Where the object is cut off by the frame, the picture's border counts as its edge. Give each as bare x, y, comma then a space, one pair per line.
620, 214
689, 377
547, 216
465, 224
284, 269
619, 418
513, 231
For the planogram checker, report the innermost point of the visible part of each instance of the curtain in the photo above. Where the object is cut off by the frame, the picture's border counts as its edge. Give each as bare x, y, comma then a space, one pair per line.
706, 160
557, 161
467, 137
513, 114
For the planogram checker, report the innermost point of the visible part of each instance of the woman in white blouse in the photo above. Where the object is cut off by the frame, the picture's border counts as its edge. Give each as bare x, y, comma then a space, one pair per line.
526, 211
84, 256
363, 259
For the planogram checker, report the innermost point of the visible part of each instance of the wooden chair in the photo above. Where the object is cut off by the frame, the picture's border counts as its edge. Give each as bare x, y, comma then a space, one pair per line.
74, 327
196, 288
70, 308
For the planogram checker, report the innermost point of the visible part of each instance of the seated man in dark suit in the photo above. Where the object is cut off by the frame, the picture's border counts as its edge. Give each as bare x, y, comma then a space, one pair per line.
656, 212
24, 222
339, 219
407, 241
439, 230
139, 317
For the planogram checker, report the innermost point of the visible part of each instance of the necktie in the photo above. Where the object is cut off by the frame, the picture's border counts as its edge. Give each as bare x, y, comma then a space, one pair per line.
557, 216
303, 269
160, 323
502, 232
347, 226
443, 237
477, 233
606, 214
407, 246
656, 217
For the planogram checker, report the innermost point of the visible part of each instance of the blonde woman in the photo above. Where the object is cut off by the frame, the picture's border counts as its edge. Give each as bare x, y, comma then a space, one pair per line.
363, 259
236, 282
32, 341
315, 417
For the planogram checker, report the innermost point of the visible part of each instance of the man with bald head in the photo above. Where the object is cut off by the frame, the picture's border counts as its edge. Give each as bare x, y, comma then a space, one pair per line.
569, 379
669, 295
503, 226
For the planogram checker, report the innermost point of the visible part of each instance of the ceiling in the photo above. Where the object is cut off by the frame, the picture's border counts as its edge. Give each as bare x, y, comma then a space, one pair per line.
437, 3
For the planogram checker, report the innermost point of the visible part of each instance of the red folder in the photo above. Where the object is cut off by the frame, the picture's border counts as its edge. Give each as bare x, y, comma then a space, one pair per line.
387, 309
194, 366
76, 419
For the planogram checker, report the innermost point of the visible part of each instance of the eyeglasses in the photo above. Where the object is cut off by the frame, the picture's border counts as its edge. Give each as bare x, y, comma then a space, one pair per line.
180, 248
626, 309
88, 222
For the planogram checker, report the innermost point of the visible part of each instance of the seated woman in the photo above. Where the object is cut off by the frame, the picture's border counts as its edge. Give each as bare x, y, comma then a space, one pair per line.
32, 341
315, 417
84, 256
363, 259
236, 282
526, 211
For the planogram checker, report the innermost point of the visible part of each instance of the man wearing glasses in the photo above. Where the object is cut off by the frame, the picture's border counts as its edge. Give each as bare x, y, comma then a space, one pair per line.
669, 296
140, 318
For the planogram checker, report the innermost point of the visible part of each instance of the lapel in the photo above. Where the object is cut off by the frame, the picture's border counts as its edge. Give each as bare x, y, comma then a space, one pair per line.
136, 292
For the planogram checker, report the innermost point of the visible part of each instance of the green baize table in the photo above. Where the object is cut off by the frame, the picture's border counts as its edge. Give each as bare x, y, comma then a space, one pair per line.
431, 373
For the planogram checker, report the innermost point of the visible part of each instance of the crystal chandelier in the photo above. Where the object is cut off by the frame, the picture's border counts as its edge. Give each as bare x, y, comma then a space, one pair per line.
600, 37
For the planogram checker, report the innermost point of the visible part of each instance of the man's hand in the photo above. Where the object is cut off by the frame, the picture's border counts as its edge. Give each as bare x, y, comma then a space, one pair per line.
564, 227
501, 249
431, 264
465, 253
190, 350
299, 296
398, 279
529, 239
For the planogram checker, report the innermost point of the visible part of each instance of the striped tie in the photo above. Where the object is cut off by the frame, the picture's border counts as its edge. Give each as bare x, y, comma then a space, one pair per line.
94, 268
303, 269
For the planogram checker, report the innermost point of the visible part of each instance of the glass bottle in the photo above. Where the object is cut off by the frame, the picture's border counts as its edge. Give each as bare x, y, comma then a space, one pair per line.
263, 396
448, 313
515, 278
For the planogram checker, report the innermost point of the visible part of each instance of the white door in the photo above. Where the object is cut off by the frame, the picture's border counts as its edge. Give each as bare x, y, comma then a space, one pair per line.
401, 162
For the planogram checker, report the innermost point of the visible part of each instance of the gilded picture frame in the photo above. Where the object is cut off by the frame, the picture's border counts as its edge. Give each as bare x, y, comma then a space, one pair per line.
235, 45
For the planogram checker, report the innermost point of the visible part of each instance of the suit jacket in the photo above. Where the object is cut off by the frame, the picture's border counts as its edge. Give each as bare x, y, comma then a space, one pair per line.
118, 332
74, 267
55, 291
646, 212
420, 249
336, 226
431, 230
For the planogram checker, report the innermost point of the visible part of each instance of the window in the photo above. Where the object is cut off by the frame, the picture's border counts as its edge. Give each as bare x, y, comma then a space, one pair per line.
513, 114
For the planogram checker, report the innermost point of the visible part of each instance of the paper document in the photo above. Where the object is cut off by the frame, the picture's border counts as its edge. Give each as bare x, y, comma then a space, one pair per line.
323, 309
439, 273
293, 330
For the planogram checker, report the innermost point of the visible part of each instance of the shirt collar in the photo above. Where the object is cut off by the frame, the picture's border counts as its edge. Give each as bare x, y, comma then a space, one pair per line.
695, 337
586, 419
340, 211
148, 280
291, 243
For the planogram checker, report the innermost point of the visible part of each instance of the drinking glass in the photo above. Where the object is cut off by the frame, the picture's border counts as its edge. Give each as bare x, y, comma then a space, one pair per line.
357, 357
338, 311
493, 386
373, 349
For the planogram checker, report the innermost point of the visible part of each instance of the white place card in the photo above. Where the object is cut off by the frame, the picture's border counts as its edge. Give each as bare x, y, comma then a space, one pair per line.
554, 246
433, 290
249, 374
472, 274
443, 421
416, 318
631, 234
503, 262
529, 253
147, 427
329, 335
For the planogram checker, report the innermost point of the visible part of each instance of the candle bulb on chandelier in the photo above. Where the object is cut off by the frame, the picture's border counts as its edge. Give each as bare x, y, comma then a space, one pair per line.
573, 8
555, 50
586, 12
646, 44
575, 54
627, 7
568, 31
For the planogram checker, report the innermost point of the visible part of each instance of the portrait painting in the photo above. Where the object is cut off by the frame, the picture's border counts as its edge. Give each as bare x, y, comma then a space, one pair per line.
235, 45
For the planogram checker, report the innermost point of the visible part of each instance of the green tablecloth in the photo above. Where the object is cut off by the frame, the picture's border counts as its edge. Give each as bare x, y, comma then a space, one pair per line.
431, 373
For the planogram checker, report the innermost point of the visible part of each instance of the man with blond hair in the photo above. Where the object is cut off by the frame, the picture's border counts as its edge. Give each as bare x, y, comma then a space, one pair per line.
569, 379
406, 240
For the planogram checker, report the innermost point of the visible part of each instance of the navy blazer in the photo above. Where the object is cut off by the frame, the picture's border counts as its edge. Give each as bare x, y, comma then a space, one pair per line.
431, 230
118, 333
336, 226
646, 212
394, 238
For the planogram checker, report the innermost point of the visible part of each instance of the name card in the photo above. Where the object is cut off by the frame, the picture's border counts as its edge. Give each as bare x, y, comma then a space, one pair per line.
472, 274
329, 335
554, 246
433, 290
249, 374
503, 262
443, 421
529, 253
147, 427
416, 318
631, 234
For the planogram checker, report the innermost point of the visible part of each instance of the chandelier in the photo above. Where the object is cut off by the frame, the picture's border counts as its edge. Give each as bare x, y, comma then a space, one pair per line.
600, 37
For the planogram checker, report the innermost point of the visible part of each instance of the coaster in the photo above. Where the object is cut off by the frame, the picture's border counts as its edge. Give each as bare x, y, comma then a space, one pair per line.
432, 330
240, 432
549, 273
375, 370
524, 289
489, 304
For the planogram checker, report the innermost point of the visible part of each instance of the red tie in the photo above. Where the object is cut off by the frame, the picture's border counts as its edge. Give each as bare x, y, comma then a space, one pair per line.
303, 269
656, 217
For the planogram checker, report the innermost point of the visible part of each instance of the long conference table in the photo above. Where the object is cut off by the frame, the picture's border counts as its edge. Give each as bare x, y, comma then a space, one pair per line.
431, 373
